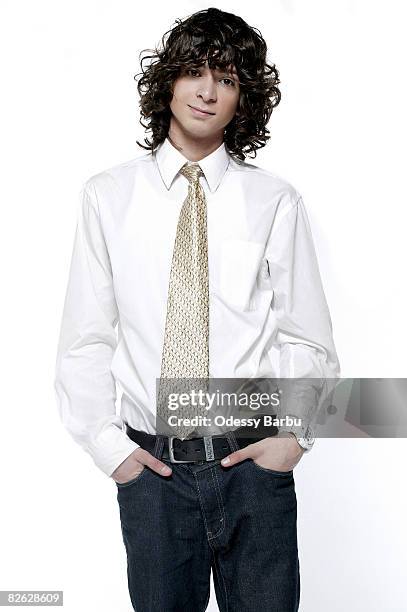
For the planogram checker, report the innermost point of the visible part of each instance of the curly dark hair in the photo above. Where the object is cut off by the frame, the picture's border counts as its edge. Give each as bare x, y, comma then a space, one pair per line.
188, 45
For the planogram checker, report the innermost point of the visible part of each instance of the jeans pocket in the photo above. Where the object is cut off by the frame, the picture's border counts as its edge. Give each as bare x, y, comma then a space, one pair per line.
270, 471
128, 483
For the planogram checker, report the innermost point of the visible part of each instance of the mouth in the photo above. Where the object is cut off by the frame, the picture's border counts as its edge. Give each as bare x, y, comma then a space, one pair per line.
200, 112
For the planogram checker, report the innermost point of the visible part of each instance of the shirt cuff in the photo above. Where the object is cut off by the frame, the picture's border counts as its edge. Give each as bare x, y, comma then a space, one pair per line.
301, 398
111, 448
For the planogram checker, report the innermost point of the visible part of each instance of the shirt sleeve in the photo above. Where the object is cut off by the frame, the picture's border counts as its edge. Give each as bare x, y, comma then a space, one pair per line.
84, 385
304, 333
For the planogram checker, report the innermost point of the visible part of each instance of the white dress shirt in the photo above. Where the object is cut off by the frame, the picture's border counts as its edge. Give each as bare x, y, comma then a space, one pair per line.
264, 283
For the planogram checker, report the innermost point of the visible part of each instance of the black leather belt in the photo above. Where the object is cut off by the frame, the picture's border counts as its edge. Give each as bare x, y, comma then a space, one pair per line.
200, 449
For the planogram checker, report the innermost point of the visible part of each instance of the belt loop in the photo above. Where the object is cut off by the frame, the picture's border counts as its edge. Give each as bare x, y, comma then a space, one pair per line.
159, 445
230, 435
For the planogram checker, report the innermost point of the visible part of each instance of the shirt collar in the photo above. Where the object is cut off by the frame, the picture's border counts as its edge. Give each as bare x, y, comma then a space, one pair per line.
170, 162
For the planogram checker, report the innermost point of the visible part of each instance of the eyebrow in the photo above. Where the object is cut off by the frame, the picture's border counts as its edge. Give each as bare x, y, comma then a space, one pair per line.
219, 69
234, 71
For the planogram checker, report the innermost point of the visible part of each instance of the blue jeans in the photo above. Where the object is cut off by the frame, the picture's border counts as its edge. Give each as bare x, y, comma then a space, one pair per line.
241, 522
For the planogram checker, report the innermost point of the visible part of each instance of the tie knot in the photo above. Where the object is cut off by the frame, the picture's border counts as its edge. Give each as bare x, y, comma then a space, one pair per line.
192, 171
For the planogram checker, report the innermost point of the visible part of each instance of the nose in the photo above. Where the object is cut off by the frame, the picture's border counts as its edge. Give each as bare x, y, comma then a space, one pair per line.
207, 88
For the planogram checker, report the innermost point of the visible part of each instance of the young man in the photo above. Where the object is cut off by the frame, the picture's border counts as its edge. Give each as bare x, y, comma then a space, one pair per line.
206, 263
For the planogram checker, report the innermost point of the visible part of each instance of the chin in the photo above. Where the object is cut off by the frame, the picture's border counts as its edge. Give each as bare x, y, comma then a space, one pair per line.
194, 130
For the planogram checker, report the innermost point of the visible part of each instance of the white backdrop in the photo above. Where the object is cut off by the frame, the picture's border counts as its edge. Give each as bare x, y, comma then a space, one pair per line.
69, 110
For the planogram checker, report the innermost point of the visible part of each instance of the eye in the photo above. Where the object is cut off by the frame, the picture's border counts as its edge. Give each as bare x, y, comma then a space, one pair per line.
192, 70
231, 81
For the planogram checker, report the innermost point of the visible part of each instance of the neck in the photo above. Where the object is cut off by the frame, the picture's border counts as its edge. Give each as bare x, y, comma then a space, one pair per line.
191, 147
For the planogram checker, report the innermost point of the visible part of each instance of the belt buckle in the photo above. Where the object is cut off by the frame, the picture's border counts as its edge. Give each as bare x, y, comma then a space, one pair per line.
209, 452
171, 452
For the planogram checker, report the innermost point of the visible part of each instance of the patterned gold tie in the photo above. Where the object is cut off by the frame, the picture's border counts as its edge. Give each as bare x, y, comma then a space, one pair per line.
186, 338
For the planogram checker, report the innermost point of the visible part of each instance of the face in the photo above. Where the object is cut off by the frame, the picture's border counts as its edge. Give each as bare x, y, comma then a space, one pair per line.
215, 91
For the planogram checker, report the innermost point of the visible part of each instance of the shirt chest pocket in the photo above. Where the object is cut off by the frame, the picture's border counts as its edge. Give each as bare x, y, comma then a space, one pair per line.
241, 272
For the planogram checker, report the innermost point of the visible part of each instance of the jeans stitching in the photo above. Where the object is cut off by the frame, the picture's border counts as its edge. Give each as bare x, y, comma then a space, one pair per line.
273, 472
201, 504
217, 565
133, 480
203, 512
209, 539
220, 503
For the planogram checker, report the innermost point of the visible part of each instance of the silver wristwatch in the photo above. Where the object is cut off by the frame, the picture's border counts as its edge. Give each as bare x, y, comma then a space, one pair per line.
304, 434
